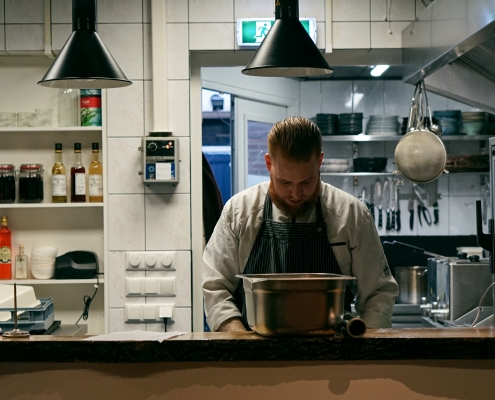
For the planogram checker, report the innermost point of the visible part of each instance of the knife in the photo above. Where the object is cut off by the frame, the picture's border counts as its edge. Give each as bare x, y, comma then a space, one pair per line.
372, 201
378, 200
386, 202
397, 209
410, 207
393, 186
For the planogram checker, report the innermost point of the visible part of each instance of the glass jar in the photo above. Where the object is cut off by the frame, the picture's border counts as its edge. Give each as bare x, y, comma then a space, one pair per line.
31, 183
7, 183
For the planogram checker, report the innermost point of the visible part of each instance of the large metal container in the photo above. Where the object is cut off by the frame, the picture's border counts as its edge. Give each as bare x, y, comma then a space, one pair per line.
295, 304
413, 284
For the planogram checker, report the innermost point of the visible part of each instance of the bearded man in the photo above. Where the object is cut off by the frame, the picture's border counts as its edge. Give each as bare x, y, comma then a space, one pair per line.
295, 223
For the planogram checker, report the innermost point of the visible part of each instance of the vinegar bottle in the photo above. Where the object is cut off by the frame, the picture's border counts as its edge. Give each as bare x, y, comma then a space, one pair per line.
21, 270
5, 250
95, 173
59, 180
78, 178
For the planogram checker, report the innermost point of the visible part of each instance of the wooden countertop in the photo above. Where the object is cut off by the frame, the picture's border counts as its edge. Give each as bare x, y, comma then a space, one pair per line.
377, 344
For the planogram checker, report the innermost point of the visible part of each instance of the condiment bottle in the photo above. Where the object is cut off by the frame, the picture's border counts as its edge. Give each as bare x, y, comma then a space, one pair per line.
68, 107
95, 176
59, 177
78, 178
5, 250
21, 270
90, 107
7, 183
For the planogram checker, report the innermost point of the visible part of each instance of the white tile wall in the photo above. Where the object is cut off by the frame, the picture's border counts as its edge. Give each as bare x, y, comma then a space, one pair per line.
336, 97
419, 7
126, 110
398, 98
2, 13
464, 185
351, 35
126, 222
128, 11
24, 37
177, 51
117, 322
320, 35
147, 43
24, 11
126, 161
211, 36
166, 217
311, 99
60, 34
400, 10
351, 10
462, 215
211, 11
177, 10
61, 11
385, 36
125, 43
252, 9
180, 323
178, 107
368, 97
312, 9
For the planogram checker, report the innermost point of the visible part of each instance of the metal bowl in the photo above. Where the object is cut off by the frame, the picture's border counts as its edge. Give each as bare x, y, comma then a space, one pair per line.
295, 304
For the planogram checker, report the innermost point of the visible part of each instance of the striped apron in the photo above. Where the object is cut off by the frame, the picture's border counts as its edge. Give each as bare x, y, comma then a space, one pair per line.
290, 248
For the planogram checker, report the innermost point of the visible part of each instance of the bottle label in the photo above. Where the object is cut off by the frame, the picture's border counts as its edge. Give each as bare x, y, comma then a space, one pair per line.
59, 185
91, 102
5, 255
80, 184
96, 185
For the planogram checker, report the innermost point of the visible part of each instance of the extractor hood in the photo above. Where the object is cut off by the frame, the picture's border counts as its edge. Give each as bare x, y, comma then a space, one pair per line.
451, 46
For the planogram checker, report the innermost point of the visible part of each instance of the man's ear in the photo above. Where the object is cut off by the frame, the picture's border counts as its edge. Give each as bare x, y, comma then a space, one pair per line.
268, 161
320, 160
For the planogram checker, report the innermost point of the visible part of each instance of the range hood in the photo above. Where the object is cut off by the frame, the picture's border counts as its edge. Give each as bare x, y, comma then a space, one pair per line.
451, 46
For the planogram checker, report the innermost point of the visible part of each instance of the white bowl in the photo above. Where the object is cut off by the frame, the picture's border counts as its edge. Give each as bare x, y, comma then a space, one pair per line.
43, 270
48, 251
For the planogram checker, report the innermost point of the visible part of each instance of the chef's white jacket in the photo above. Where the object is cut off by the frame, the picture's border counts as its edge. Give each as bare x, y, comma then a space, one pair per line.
348, 220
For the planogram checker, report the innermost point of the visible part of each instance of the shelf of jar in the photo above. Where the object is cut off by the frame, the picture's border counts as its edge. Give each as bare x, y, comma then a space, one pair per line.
51, 205
51, 281
395, 138
51, 129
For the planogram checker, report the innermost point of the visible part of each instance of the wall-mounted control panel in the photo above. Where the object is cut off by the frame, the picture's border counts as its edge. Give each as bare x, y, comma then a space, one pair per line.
160, 159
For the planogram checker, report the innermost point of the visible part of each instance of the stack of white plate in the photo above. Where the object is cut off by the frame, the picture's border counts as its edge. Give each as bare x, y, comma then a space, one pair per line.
334, 165
383, 125
43, 261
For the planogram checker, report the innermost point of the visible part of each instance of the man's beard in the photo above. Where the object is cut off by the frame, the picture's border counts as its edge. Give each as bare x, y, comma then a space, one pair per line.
294, 211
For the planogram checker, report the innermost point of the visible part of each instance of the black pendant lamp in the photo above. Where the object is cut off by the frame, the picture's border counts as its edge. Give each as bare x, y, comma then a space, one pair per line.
287, 50
84, 62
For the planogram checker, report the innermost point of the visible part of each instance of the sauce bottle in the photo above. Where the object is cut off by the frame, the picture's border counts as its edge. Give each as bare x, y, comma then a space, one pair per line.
77, 178
5, 250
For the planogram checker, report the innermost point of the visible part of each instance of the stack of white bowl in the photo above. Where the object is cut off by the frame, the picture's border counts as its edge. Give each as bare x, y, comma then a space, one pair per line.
43, 261
334, 165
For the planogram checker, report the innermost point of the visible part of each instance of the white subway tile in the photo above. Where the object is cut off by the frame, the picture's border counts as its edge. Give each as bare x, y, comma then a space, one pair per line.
462, 215
351, 35
177, 51
28, 37
312, 9
216, 36
254, 9
464, 185
351, 10
168, 221
177, 10
126, 162
125, 111
211, 11
384, 35
178, 107
125, 43
60, 35
126, 222
122, 11
184, 185
61, 11
24, 11
400, 10
117, 322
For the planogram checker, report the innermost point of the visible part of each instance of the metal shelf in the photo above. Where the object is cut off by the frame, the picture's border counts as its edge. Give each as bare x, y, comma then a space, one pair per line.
51, 205
385, 138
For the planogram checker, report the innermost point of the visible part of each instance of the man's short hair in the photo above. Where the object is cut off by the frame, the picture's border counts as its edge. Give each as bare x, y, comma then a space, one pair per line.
296, 138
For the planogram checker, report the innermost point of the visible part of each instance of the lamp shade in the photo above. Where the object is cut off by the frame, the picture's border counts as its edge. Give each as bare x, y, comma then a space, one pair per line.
84, 62
287, 50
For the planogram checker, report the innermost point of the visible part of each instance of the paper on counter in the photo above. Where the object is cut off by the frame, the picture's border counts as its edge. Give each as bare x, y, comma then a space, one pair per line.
136, 336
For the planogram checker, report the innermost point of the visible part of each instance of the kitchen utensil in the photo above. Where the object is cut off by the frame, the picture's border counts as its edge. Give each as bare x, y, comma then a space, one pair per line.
386, 202
397, 212
392, 204
297, 304
378, 200
410, 208
372, 201
432, 198
420, 155
413, 249
413, 284
422, 209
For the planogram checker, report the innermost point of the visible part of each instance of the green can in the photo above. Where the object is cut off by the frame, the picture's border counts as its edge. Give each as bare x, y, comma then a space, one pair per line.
90, 107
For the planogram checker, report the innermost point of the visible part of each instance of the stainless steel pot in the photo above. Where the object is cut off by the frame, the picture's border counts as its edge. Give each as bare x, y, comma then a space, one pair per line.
413, 284
298, 305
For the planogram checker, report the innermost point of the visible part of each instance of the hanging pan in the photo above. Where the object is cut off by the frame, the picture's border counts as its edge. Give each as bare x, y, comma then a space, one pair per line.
420, 155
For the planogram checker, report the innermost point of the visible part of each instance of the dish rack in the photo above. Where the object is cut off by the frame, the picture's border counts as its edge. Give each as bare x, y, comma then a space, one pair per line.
38, 318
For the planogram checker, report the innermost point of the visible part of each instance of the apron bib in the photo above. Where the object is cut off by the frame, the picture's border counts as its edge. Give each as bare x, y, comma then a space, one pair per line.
288, 248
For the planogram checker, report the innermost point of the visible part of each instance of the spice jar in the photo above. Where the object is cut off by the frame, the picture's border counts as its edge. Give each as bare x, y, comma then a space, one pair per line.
31, 183
7, 183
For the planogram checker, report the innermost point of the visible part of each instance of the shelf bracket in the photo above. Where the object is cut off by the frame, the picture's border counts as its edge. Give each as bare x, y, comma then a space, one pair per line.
356, 180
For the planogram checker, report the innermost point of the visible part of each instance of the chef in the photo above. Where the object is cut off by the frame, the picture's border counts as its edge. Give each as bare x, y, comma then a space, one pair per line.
295, 223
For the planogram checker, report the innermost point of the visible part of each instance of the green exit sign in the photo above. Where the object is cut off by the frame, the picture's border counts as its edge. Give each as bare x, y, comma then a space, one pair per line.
252, 31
